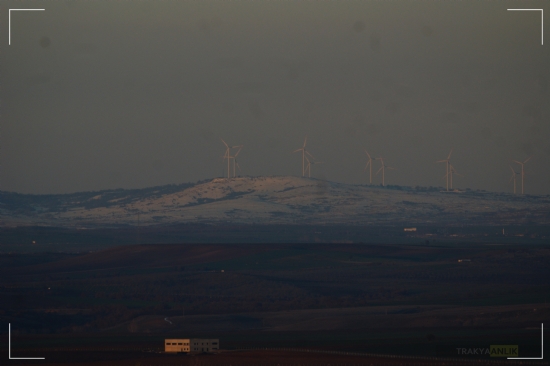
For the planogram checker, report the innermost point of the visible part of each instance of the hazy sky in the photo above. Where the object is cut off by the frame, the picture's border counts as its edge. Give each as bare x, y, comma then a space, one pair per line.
127, 94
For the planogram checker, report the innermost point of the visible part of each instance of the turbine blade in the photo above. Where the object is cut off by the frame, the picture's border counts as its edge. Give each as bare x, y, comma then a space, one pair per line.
225, 143
519, 162
307, 152
379, 170
305, 141
368, 154
449, 157
297, 150
529, 158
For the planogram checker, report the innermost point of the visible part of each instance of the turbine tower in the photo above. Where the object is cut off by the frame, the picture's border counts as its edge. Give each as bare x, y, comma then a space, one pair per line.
308, 167
383, 169
369, 165
452, 171
304, 152
522, 171
514, 175
447, 171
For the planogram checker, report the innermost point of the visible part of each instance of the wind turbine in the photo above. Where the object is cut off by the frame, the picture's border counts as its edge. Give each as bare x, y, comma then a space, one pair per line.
309, 164
228, 157
383, 169
514, 174
446, 161
235, 158
522, 172
304, 152
369, 165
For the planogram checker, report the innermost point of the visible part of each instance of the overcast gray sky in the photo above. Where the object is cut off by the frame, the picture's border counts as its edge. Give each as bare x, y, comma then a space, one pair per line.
128, 94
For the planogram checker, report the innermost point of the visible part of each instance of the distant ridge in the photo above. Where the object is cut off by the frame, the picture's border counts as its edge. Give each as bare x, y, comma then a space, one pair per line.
271, 200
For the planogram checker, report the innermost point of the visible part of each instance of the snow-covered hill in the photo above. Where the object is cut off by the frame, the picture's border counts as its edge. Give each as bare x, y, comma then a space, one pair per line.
273, 200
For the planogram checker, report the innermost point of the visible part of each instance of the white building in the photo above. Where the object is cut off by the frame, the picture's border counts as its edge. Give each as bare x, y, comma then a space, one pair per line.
191, 345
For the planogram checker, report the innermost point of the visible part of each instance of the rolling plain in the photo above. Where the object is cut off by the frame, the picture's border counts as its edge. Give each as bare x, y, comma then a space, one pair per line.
406, 300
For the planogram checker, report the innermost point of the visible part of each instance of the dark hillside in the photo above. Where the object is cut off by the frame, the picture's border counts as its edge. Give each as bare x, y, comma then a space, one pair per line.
37, 203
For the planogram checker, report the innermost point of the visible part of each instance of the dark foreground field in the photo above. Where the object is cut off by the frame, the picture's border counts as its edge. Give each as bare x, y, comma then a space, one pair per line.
252, 358
117, 305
